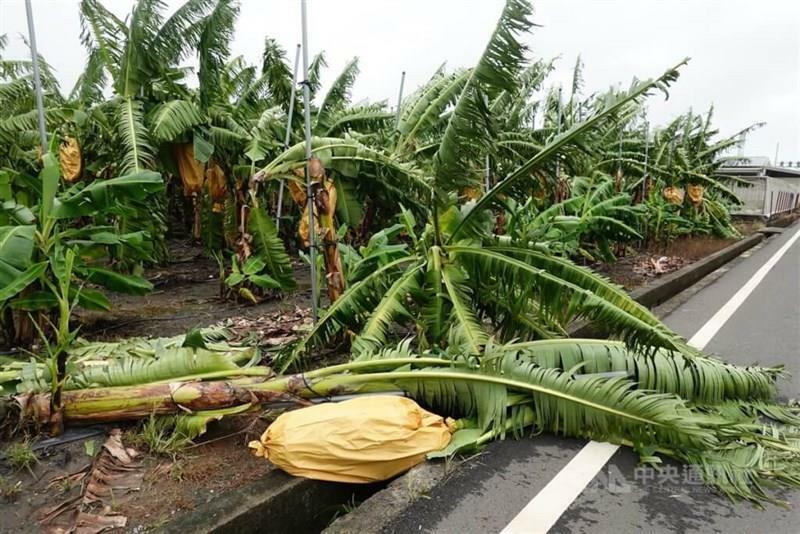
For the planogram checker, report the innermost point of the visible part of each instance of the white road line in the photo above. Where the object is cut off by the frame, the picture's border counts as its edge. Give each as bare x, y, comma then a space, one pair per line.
542, 512
710, 329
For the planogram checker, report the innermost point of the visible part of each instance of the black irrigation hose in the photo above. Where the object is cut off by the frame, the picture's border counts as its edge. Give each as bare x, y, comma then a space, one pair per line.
143, 320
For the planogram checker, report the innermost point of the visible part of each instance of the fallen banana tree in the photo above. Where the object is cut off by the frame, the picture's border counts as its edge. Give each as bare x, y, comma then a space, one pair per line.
720, 417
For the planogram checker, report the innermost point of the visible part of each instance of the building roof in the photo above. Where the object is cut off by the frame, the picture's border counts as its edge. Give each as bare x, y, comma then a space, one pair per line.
760, 170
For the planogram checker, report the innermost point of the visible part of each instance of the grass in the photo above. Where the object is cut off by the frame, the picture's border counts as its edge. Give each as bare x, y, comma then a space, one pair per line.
20, 455
157, 435
344, 508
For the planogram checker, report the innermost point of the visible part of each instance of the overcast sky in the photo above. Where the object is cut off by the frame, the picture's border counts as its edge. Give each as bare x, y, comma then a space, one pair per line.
745, 54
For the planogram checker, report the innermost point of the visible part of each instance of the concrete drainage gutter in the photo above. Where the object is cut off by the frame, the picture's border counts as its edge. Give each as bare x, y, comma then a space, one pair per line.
282, 503
275, 503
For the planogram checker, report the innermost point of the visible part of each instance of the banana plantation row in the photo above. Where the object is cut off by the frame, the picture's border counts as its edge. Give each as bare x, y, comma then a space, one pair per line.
452, 234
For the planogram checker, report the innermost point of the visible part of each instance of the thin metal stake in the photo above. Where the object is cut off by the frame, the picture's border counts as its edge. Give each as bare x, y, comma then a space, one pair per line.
288, 134
37, 81
558, 132
646, 153
312, 237
399, 99
487, 173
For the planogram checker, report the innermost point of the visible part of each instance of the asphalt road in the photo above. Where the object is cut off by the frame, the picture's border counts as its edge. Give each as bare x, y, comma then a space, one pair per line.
489, 491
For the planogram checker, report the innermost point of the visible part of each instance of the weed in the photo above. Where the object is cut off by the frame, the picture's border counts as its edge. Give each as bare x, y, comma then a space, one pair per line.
64, 486
415, 490
448, 464
350, 506
344, 509
176, 471
10, 491
20, 455
158, 524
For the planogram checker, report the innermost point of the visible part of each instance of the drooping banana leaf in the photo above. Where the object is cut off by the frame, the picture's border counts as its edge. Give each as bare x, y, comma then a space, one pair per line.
102, 194
169, 364
701, 380
123, 283
267, 246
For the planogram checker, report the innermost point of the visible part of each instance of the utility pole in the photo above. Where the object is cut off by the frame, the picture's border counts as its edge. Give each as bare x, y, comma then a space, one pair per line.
37, 80
312, 237
399, 99
288, 134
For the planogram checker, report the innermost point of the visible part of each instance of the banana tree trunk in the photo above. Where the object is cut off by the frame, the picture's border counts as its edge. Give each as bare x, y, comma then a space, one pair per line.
325, 201
24, 326
137, 402
129, 403
196, 216
192, 173
325, 209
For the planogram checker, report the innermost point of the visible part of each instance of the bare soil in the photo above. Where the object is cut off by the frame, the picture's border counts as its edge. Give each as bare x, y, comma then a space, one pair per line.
641, 267
171, 484
186, 294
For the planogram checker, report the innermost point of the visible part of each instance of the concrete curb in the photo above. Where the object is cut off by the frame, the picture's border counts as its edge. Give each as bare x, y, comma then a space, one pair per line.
390, 503
670, 285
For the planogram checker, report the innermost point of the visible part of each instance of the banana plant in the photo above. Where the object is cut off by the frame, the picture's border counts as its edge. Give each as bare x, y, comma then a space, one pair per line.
140, 59
460, 284
588, 223
19, 139
344, 168
43, 255
36, 239
683, 158
261, 262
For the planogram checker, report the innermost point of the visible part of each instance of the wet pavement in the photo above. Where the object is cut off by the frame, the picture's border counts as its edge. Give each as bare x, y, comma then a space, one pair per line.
488, 491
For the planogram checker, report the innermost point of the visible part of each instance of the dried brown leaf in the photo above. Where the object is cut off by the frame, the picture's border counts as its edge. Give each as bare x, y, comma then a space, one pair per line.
114, 473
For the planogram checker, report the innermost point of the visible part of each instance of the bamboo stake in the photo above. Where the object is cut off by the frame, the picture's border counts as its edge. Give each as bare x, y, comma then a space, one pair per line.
288, 135
487, 173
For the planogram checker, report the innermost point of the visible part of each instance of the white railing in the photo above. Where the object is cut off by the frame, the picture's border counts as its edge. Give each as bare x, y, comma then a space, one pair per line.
767, 196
